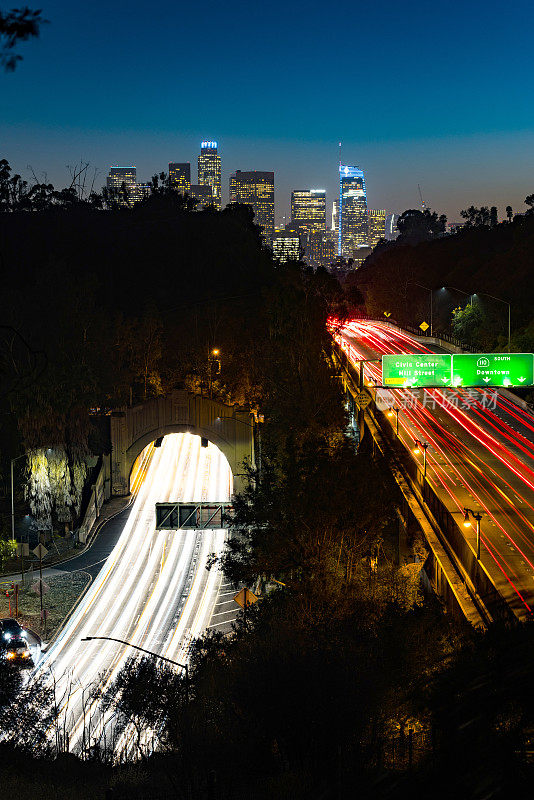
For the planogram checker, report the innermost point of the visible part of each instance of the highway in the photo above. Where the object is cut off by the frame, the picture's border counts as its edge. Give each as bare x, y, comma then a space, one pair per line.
153, 590
480, 456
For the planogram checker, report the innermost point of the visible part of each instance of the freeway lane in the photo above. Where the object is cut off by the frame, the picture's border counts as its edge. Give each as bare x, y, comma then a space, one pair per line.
152, 591
480, 455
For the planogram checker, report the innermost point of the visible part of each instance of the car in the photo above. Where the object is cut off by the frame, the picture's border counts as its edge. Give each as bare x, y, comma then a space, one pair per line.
13, 644
10, 627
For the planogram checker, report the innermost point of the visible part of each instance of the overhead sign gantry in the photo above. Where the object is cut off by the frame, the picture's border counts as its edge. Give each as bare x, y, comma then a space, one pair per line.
459, 370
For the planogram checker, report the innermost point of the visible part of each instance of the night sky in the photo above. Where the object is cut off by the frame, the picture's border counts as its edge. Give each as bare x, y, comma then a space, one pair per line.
433, 93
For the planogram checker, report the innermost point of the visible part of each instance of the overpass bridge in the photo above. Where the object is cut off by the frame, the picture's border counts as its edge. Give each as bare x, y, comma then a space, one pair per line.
133, 428
476, 456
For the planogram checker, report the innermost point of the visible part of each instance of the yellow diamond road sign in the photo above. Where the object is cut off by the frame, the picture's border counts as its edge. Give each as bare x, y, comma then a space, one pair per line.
424, 326
362, 399
245, 598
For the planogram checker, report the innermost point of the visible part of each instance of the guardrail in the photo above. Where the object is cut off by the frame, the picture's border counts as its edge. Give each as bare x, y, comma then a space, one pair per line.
100, 491
446, 337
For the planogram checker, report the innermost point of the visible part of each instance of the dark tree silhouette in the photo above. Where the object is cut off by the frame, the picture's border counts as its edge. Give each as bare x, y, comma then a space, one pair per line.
419, 226
17, 25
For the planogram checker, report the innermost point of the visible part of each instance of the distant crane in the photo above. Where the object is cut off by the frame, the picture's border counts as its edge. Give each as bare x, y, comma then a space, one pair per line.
423, 204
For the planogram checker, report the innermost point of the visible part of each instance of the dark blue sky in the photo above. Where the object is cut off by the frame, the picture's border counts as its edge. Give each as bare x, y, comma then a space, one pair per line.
433, 93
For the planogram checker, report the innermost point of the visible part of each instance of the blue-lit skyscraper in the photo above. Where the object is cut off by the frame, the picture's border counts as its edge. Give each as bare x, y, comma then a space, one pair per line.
209, 170
353, 226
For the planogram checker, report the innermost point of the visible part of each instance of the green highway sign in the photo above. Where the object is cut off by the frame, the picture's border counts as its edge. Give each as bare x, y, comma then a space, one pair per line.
493, 369
417, 369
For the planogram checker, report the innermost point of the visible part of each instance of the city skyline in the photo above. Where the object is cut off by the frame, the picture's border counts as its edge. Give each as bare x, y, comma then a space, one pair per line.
418, 121
380, 194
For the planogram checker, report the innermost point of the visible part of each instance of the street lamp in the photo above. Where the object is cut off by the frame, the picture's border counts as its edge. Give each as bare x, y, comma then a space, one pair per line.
500, 300
13, 515
185, 667
212, 356
455, 289
428, 289
417, 449
477, 516
395, 411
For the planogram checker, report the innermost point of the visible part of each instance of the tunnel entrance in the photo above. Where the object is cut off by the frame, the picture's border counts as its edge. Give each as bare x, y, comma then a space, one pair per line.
201, 469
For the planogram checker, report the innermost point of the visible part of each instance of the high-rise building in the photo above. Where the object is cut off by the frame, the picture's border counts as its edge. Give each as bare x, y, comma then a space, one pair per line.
353, 228
256, 189
209, 170
391, 227
286, 245
377, 226
127, 177
180, 177
320, 249
203, 194
335, 213
308, 209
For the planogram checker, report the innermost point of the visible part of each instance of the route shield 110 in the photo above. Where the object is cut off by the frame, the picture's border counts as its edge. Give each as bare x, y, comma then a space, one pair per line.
418, 369
493, 369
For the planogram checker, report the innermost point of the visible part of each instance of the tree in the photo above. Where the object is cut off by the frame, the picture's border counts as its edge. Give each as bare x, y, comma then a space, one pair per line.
529, 201
17, 25
476, 217
467, 322
493, 217
509, 213
418, 226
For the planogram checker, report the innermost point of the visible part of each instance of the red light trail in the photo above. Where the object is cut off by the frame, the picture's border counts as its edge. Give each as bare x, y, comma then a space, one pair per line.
477, 456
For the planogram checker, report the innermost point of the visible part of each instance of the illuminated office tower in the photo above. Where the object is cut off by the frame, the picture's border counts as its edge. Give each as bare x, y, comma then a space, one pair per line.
353, 227
209, 170
203, 195
256, 189
286, 246
377, 226
320, 249
335, 212
308, 209
127, 176
180, 177
391, 227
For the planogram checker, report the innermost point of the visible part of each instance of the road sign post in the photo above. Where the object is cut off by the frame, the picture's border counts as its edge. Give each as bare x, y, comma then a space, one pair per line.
40, 551
493, 369
418, 369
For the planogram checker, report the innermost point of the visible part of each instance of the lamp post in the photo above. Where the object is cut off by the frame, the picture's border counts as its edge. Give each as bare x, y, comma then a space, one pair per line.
417, 449
428, 289
13, 515
212, 357
455, 289
185, 667
500, 300
477, 516
395, 411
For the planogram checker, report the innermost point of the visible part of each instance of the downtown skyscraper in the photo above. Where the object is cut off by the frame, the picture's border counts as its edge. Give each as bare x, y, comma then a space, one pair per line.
377, 226
353, 225
308, 210
255, 189
121, 183
209, 170
180, 176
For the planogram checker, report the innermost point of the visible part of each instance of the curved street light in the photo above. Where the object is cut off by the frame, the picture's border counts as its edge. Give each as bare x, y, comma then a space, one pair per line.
477, 516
